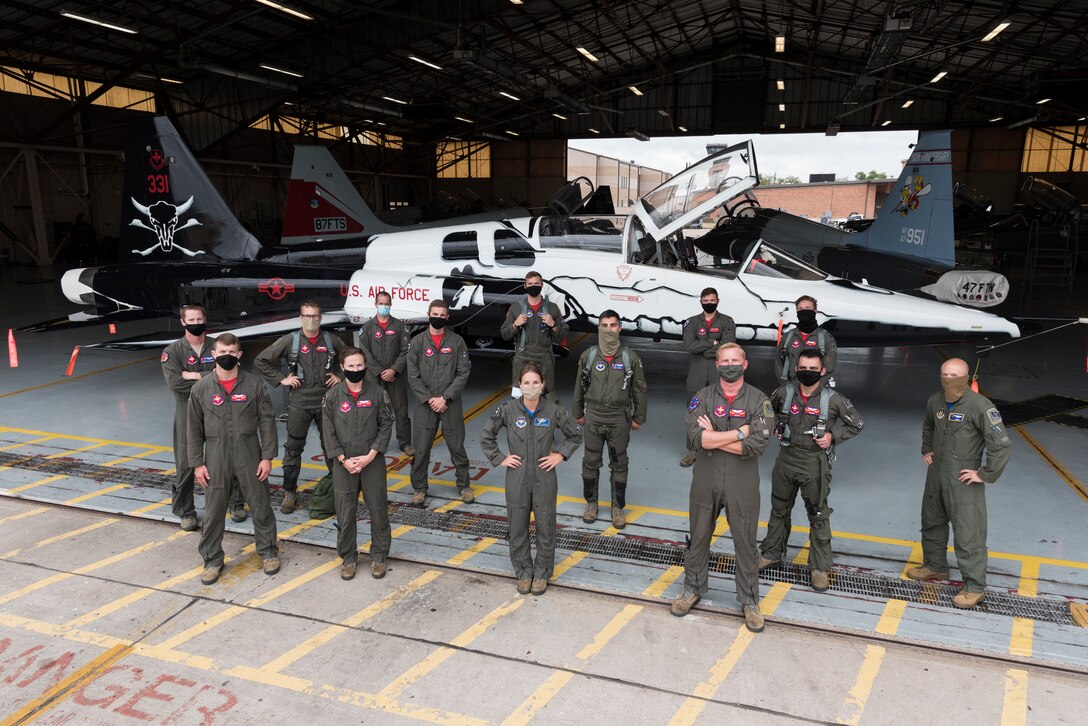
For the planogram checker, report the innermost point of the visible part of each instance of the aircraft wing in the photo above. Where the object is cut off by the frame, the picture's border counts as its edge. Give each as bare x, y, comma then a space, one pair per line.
250, 329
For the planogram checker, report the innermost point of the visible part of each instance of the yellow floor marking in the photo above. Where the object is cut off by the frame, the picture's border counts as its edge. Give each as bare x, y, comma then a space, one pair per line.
1029, 578
662, 583
66, 452
142, 454
1014, 710
236, 610
86, 569
440, 655
1020, 642
38, 440
1056, 465
92, 495
694, 705
575, 557
332, 693
60, 537
74, 378
277, 664
802, 556
465, 555
40, 482
24, 515
241, 569
150, 507
452, 504
547, 690
55, 695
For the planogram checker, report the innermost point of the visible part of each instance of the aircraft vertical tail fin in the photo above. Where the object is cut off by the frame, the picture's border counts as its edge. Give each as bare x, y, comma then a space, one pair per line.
169, 209
916, 218
322, 204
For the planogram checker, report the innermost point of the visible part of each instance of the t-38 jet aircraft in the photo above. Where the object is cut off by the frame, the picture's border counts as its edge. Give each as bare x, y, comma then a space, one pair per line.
187, 247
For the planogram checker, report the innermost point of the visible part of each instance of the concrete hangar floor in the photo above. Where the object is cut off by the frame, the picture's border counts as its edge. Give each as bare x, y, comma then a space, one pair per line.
103, 618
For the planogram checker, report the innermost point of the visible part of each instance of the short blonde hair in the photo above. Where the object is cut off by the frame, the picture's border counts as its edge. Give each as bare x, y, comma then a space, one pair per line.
729, 346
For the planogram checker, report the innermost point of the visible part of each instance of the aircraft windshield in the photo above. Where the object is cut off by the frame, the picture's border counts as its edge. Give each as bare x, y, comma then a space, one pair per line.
769, 261
695, 191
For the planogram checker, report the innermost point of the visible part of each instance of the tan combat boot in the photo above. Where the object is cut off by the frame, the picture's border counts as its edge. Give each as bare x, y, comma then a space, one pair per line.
272, 565
418, 498
965, 600
753, 619
820, 581
590, 515
539, 586
347, 570
290, 502
925, 573
524, 586
378, 569
683, 604
764, 562
618, 520
188, 524
210, 574
467, 496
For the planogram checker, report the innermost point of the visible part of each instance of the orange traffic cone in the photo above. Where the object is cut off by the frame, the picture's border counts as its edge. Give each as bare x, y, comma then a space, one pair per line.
13, 354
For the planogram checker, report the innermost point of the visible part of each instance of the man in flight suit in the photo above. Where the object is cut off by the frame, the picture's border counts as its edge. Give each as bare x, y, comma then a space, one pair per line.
729, 424
808, 335
810, 419
313, 358
535, 325
227, 413
184, 362
438, 369
703, 334
959, 425
384, 342
610, 382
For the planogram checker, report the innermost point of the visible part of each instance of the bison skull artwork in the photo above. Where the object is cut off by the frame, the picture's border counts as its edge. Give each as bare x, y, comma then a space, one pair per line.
163, 219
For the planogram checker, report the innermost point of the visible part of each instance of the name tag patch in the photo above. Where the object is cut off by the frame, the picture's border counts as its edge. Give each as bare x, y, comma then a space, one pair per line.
364, 403
812, 411
239, 397
539, 421
955, 417
810, 343
737, 413
208, 359
322, 349
617, 366
446, 350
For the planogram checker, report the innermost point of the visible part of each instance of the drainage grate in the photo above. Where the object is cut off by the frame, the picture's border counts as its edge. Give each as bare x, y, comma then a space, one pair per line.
625, 547
1068, 419
1038, 409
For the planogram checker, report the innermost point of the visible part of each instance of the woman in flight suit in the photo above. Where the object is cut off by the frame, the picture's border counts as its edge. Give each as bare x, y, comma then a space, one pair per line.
531, 423
357, 421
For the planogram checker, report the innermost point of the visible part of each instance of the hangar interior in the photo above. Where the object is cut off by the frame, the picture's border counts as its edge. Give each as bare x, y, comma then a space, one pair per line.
444, 108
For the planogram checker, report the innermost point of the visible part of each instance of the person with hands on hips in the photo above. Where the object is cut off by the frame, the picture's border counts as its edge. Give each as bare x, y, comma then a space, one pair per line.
531, 424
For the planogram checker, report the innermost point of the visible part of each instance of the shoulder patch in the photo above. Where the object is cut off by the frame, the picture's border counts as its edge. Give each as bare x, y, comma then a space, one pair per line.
165, 357
994, 414
497, 413
768, 412
846, 402
693, 403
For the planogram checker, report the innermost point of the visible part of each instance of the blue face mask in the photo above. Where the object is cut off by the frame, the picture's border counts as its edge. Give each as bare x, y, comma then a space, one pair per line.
383, 310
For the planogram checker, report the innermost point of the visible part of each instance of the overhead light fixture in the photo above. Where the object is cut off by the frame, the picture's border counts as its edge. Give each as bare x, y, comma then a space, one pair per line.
587, 54
395, 100
594, 131
277, 69
939, 76
285, 9
908, 103
662, 112
517, 2
511, 96
560, 116
636, 134
781, 126
512, 133
833, 128
779, 44
995, 32
462, 118
781, 107
683, 128
995, 119
92, 21
1081, 118
1041, 101
424, 62
780, 84
160, 78
243, 76
887, 123
634, 90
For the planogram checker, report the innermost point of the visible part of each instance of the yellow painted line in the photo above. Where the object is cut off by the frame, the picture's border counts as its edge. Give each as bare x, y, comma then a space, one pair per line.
547, 690
311, 644
328, 692
1029, 578
55, 695
60, 537
86, 569
40, 482
151, 507
802, 556
575, 557
66, 452
894, 610
465, 555
658, 587
436, 657
236, 610
76, 378
1014, 710
73, 437
24, 515
453, 504
92, 495
142, 454
38, 440
1021, 641
241, 569
693, 706
1056, 465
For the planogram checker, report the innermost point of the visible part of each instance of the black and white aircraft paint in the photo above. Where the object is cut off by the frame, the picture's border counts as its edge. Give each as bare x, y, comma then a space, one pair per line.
643, 270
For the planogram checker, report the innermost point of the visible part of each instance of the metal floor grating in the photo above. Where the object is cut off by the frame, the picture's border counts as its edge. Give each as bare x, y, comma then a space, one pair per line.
1038, 409
631, 548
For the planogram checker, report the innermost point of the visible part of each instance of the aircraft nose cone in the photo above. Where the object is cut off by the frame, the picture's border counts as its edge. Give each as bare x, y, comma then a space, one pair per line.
77, 285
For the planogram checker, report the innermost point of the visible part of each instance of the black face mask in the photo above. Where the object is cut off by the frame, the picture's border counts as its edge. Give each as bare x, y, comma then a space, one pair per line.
196, 330
708, 308
808, 378
227, 362
355, 376
533, 290
806, 320
437, 323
